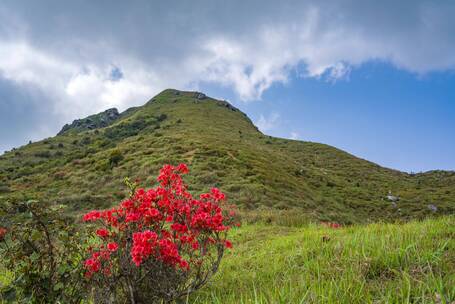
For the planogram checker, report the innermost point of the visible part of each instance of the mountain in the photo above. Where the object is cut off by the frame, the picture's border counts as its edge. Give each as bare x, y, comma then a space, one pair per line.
84, 165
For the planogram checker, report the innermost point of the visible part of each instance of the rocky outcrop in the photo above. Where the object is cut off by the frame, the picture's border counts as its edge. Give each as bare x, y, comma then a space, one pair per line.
92, 122
392, 198
199, 96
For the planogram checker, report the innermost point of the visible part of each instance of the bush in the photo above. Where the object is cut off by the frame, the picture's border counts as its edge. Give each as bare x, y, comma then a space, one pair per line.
102, 166
158, 245
86, 141
115, 157
162, 117
105, 143
43, 154
127, 129
4, 189
41, 247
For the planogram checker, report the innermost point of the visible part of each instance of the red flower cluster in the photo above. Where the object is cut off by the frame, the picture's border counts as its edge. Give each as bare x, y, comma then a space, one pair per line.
97, 259
3, 232
102, 233
163, 224
332, 225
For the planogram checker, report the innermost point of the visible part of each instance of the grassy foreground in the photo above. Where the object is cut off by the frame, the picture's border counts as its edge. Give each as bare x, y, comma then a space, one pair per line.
378, 263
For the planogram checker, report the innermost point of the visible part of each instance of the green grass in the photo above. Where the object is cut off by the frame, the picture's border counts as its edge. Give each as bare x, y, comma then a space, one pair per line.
224, 149
6, 278
377, 263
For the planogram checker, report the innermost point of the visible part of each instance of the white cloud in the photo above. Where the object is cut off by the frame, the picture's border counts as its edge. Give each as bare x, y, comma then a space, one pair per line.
23, 64
75, 89
268, 123
69, 58
241, 65
262, 46
294, 135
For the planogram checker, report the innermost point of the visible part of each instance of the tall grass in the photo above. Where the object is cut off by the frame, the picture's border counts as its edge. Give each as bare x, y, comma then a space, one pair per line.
378, 263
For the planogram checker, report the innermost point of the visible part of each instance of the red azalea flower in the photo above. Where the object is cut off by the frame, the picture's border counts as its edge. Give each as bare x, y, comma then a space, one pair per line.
112, 246
92, 216
3, 232
102, 232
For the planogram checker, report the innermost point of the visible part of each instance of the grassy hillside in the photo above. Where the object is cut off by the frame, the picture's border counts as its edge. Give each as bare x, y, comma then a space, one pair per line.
377, 263
84, 168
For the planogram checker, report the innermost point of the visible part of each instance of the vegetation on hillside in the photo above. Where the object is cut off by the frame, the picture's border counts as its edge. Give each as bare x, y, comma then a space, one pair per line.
84, 168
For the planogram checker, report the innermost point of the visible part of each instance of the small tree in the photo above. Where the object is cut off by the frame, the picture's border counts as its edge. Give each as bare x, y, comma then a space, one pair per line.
159, 245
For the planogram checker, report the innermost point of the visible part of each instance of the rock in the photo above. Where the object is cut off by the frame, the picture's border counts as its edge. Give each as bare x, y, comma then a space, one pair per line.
432, 207
392, 198
92, 122
112, 113
199, 96
226, 104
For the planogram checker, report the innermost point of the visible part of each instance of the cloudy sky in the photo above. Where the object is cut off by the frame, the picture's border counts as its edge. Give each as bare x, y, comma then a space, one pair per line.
375, 78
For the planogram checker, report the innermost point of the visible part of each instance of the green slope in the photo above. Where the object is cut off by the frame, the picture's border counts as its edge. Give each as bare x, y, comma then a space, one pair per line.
223, 149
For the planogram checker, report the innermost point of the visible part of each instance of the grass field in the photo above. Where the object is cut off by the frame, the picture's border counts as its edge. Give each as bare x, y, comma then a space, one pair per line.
377, 263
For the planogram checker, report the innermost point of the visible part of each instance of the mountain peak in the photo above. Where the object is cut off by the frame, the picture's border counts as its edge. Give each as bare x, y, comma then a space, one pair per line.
171, 95
168, 97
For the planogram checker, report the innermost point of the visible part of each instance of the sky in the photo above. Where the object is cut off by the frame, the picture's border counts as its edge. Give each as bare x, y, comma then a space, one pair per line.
374, 78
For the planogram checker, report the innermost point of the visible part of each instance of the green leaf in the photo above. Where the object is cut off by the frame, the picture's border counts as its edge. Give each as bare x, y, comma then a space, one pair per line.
58, 286
62, 269
34, 256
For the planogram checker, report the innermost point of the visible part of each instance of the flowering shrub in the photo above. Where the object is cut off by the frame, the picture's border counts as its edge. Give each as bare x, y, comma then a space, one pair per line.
159, 244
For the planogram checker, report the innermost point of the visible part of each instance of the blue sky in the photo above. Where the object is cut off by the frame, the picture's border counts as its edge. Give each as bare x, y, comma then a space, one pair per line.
374, 79
386, 115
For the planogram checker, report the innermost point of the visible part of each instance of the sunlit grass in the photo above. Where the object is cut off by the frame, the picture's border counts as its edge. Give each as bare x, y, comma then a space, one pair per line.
378, 263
